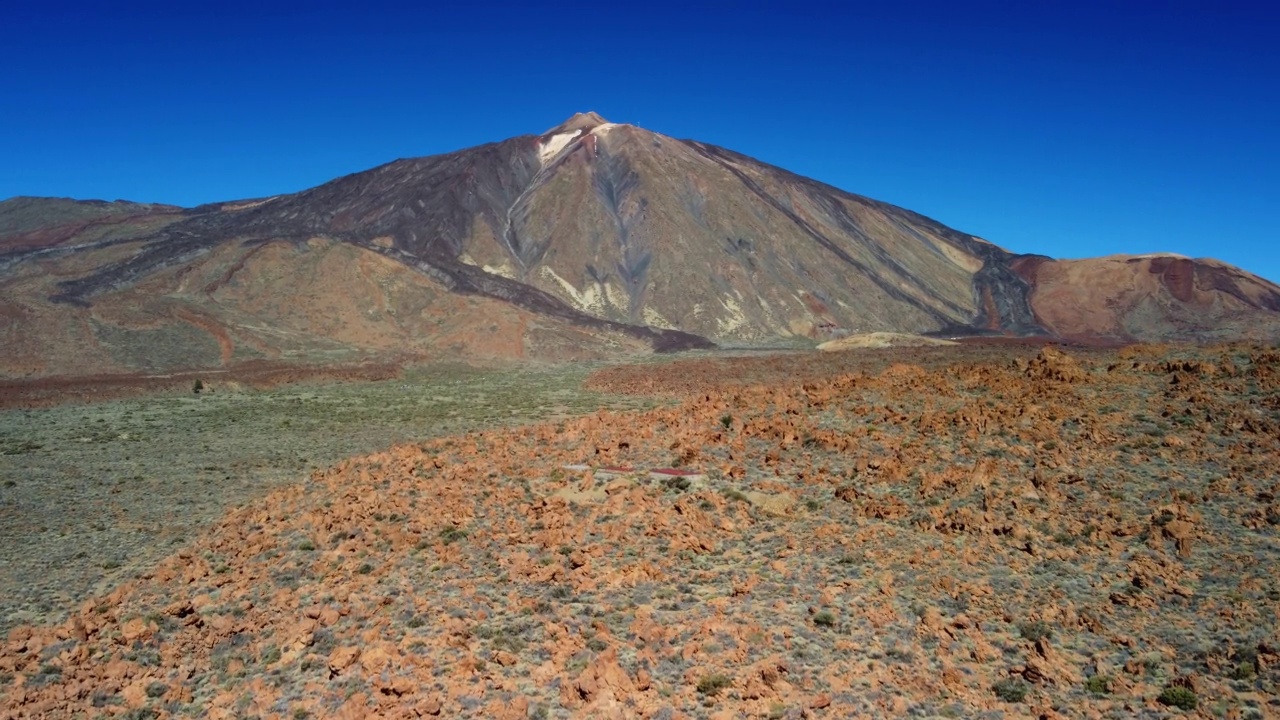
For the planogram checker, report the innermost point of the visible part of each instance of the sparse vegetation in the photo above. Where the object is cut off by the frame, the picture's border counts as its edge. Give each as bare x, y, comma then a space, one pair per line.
1035, 630
676, 483
1183, 698
464, 565
175, 487
712, 685
1010, 689
47, 673
1244, 670
18, 447
452, 534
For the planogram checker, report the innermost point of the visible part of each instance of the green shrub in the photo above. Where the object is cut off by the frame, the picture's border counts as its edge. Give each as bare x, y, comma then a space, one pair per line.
712, 684
1243, 671
1177, 696
452, 534
677, 483
1098, 685
824, 619
46, 674
1035, 631
271, 655
1011, 689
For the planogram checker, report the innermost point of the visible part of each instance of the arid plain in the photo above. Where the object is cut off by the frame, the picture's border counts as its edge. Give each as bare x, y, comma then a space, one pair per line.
1000, 530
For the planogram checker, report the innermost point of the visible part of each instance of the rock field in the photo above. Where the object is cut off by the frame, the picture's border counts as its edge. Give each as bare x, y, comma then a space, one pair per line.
1021, 533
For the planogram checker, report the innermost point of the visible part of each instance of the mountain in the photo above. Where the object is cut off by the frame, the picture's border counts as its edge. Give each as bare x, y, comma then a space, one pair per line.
593, 238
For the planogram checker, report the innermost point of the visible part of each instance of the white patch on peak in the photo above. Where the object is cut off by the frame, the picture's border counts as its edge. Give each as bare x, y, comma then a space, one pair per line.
594, 298
548, 149
653, 318
1146, 256
733, 318
505, 270
604, 128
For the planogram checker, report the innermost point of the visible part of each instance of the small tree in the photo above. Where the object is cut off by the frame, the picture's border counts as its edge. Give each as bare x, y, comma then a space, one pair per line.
197, 386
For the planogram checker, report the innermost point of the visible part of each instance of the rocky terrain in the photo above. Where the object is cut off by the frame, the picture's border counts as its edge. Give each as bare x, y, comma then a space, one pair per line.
91, 494
591, 240
974, 531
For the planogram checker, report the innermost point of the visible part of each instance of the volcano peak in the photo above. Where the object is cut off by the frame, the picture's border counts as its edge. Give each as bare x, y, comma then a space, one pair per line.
580, 121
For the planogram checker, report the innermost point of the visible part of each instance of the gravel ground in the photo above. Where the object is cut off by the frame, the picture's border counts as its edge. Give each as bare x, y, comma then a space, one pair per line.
91, 494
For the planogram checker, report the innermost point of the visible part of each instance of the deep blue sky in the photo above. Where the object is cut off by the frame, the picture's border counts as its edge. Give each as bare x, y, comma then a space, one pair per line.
1066, 128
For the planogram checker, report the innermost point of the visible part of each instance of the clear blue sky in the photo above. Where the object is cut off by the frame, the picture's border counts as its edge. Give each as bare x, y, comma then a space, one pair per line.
1065, 128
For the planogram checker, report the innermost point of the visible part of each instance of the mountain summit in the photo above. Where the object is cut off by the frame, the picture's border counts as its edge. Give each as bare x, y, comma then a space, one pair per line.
593, 238
580, 121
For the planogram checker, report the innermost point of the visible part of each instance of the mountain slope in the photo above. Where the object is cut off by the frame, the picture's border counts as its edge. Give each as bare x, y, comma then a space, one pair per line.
609, 237
1150, 297
30, 222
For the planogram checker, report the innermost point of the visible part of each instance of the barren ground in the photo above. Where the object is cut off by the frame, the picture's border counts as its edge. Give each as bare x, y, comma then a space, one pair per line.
92, 493
976, 532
